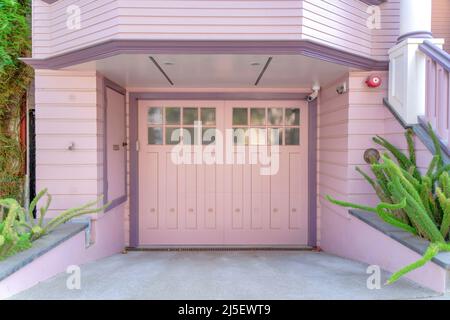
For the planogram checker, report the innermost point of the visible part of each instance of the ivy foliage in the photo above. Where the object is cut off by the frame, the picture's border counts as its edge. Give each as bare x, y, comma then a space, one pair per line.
15, 78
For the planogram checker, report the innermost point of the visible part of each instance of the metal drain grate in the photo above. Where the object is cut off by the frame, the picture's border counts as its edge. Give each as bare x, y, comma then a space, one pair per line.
221, 249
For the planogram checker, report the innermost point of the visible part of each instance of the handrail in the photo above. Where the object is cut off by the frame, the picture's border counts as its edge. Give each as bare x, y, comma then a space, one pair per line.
437, 106
436, 54
373, 2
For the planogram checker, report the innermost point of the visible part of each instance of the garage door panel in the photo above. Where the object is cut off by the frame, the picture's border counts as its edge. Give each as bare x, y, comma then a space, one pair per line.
237, 221
189, 195
223, 203
171, 178
150, 192
238, 211
295, 201
208, 195
279, 197
260, 197
260, 209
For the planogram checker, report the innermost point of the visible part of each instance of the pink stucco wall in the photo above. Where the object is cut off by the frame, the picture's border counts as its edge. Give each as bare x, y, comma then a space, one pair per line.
346, 125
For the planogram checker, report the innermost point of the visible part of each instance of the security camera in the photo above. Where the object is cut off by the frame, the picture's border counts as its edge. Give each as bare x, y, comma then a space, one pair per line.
342, 88
313, 96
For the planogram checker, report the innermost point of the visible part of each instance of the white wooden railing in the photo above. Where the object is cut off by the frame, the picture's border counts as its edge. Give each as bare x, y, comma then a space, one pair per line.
437, 106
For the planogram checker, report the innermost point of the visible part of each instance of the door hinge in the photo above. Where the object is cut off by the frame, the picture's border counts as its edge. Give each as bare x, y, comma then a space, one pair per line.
138, 147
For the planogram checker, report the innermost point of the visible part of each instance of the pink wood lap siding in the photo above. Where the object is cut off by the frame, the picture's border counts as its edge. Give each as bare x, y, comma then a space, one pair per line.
222, 204
440, 23
346, 125
69, 109
338, 23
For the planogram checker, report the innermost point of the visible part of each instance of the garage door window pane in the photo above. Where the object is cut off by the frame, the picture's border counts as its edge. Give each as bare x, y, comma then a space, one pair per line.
240, 116
173, 135
155, 135
189, 136
275, 116
209, 136
258, 117
257, 136
275, 136
190, 115
293, 117
154, 116
172, 115
240, 137
208, 116
292, 136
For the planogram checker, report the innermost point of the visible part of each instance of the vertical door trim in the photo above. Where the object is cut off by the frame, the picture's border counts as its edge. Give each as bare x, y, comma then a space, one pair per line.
312, 173
134, 98
108, 84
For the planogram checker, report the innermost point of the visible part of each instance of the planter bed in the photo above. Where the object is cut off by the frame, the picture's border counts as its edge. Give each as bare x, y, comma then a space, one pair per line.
410, 242
20, 263
39, 248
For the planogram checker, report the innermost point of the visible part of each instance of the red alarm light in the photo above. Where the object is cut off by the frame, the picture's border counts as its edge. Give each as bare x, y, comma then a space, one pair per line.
373, 81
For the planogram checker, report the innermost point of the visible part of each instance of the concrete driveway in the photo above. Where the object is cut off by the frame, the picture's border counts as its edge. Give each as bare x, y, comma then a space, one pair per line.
224, 275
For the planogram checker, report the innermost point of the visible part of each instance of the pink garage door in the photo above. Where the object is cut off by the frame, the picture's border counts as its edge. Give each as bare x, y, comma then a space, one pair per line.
223, 173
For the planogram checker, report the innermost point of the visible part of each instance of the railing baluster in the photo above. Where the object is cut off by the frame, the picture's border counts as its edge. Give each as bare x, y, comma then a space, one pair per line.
446, 105
437, 109
439, 101
431, 93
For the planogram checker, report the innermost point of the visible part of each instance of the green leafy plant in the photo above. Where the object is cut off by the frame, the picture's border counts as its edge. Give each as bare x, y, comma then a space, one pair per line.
414, 202
18, 227
15, 77
13, 238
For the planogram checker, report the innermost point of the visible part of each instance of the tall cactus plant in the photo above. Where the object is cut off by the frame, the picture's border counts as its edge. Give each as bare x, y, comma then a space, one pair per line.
13, 239
19, 228
415, 202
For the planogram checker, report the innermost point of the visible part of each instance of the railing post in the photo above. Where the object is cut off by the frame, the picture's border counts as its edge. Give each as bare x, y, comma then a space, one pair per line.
408, 65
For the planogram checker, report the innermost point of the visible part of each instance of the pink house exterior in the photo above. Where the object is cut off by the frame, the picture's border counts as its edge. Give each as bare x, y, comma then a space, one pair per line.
115, 79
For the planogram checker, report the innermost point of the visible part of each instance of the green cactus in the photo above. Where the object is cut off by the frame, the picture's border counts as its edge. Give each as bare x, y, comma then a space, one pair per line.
19, 228
39, 227
13, 239
415, 202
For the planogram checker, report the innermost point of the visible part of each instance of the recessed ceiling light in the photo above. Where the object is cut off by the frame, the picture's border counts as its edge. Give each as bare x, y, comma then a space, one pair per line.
255, 64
